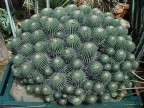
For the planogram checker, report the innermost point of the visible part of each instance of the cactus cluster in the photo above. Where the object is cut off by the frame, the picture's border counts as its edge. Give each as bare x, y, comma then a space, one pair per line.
73, 55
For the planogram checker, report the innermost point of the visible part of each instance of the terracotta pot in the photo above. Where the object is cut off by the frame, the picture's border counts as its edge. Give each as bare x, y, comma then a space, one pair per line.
126, 8
118, 13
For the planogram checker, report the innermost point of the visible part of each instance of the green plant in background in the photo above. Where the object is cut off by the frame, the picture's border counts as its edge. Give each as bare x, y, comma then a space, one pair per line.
84, 58
29, 4
4, 23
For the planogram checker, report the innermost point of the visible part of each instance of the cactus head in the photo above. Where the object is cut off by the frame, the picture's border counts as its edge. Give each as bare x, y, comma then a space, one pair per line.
40, 60
111, 41
112, 86
18, 32
99, 35
46, 12
69, 89
93, 21
118, 76
26, 24
95, 68
105, 76
88, 50
77, 77
79, 16
68, 55
71, 26
91, 99
85, 33
57, 63
120, 55
48, 71
111, 30
38, 35
58, 81
73, 41
27, 49
26, 37
55, 46
18, 59
77, 64
98, 87
86, 9
121, 30
47, 90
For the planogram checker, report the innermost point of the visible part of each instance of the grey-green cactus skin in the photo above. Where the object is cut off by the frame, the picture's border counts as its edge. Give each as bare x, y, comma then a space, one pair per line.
73, 55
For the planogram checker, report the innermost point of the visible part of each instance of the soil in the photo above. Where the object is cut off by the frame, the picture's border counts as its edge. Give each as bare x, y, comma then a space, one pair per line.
3, 65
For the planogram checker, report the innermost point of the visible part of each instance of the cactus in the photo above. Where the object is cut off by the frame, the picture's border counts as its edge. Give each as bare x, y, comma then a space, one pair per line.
87, 85
75, 100
104, 58
35, 26
35, 17
108, 20
40, 60
88, 51
59, 13
78, 91
69, 89
93, 21
27, 70
18, 32
118, 76
91, 99
109, 51
121, 30
46, 12
62, 101
26, 24
105, 77
71, 8
26, 37
73, 55
85, 33
98, 87
38, 35
95, 68
49, 98
112, 86
18, 60
57, 94
120, 55
48, 71
57, 64
77, 77
121, 43
40, 46
78, 15
51, 26
129, 46
99, 34
17, 43
73, 41
107, 67
58, 80
105, 97
47, 90
68, 55
71, 26
27, 49
85, 8
111, 41
77, 64
17, 72
111, 30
